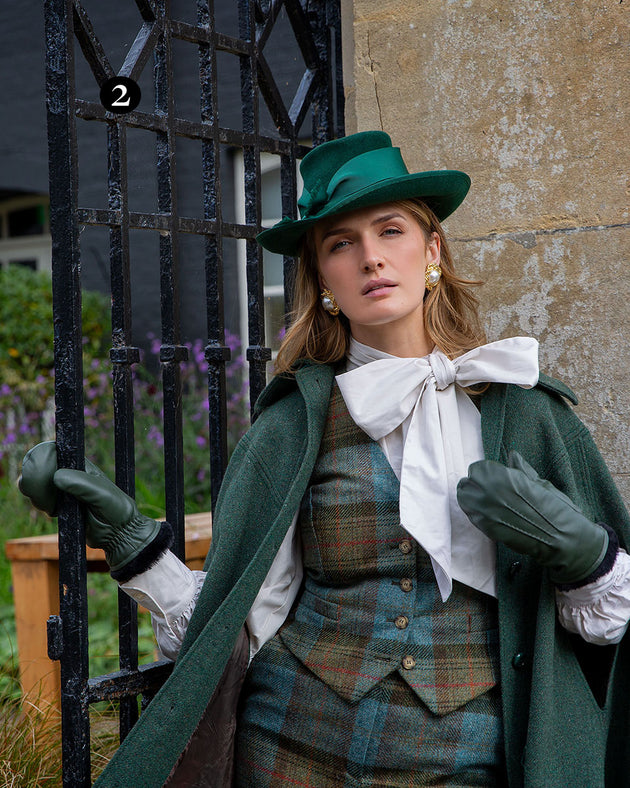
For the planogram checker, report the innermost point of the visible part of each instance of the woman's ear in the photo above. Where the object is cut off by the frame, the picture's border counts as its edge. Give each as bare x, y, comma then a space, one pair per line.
433, 249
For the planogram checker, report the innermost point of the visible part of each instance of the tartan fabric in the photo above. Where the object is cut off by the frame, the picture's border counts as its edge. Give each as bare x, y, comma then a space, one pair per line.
370, 608
294, 730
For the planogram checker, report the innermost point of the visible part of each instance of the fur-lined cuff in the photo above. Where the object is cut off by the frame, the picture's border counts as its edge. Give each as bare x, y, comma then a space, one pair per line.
604, 568
147, 557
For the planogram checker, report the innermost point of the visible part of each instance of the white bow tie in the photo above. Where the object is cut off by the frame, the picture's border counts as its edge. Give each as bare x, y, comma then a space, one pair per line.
443, 436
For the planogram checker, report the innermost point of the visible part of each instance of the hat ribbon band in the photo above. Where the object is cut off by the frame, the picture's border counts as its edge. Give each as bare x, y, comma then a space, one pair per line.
361, 172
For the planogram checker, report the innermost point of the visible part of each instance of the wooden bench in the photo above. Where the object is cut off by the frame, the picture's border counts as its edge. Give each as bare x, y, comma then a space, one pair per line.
35, 572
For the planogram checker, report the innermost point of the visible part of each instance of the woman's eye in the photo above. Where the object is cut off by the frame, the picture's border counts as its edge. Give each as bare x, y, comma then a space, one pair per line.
392, 231
338, 245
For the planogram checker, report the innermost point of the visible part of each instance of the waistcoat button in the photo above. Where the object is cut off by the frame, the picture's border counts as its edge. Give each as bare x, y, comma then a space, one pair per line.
401, 622
514, 569
406, 584
408, 662
519, 661
405, 546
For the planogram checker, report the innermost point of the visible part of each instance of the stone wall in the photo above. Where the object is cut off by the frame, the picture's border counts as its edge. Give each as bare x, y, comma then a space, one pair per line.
532, 99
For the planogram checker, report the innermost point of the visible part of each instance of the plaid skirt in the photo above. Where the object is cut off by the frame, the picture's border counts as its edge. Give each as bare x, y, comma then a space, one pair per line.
294, 731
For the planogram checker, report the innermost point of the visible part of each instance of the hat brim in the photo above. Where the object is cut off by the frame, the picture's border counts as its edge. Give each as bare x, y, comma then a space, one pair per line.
442, 190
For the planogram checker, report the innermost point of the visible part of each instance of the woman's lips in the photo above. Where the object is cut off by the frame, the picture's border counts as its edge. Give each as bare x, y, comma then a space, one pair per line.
377, 287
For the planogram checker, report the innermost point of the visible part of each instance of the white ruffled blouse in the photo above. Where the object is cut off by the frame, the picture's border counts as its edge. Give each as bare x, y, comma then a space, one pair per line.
430, 431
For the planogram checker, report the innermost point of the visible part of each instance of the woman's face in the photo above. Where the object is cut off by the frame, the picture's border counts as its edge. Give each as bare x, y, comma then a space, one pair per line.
374, 261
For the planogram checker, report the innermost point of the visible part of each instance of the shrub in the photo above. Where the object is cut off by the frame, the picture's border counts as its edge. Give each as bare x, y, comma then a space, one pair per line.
26, 357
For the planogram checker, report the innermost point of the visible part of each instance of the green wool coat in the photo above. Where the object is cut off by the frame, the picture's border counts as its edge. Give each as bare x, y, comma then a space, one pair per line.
566, 704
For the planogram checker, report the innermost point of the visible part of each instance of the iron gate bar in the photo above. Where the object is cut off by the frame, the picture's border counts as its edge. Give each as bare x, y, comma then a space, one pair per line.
90, 45
90, 110
94, 53
215, 352
69, 629
257, 355
147, 679
122, 357
320, 89
172, 352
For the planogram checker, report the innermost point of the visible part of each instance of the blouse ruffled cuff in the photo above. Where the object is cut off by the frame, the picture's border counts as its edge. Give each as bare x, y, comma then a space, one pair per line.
600, 611
169, 590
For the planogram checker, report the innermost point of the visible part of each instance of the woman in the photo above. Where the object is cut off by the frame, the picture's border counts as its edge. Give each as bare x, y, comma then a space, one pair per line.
386, 640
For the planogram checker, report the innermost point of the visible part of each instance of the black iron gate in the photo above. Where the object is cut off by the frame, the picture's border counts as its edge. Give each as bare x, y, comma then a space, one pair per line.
72, 42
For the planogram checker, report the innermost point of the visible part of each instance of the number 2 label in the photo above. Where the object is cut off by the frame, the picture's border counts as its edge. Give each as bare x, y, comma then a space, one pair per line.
123, 92
120, 95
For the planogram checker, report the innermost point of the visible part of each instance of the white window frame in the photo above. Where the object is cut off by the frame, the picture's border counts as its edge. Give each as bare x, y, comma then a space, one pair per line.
268, 162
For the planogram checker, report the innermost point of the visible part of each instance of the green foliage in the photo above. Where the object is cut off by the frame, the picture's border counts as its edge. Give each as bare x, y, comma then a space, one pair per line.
26, 328
26, 324
26, 357
103, 623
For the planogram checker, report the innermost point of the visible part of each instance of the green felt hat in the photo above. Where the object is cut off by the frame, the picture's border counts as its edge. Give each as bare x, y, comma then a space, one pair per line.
357, 171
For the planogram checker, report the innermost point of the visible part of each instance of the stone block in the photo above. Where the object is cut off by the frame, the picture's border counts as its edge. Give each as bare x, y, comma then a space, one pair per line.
531, 99
570, 290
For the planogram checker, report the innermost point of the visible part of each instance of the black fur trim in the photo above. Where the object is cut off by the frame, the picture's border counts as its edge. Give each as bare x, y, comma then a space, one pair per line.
606, 565
147, 557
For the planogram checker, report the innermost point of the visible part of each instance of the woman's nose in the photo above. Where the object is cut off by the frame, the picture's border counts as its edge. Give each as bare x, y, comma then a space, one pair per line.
372, 264
372, 260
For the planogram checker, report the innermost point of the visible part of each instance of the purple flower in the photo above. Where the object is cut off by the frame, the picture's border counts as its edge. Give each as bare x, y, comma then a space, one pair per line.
155, 436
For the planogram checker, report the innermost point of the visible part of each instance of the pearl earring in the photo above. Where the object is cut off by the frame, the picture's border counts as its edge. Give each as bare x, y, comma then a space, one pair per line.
432, 276
328, 302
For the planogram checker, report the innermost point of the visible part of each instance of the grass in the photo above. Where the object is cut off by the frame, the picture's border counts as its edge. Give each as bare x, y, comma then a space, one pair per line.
30, 743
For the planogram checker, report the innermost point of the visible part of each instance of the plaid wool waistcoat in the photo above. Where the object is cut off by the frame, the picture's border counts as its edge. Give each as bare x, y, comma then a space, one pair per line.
370, 604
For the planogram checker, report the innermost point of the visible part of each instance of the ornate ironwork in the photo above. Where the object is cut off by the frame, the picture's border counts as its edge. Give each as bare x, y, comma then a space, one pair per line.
316, 27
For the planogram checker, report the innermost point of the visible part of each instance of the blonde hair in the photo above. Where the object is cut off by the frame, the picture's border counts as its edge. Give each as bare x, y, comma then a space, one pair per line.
451, 317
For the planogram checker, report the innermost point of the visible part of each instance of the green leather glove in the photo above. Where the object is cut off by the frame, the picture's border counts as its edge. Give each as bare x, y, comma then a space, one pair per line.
113, 521
36, 480
131, 541
515, 506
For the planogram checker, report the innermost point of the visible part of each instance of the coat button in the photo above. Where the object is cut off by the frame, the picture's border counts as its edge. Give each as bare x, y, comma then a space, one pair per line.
514, 569
406, 584
519, 660
402, 622
405, 546
408, 662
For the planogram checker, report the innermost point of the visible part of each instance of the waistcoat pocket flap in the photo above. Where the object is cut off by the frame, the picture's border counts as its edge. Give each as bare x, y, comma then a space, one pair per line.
344, 663
446, 677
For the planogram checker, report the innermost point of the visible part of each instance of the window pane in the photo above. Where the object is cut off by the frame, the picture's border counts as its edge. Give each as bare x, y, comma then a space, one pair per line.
26, 263
271, 196
26, 221
272, 266
274, 320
